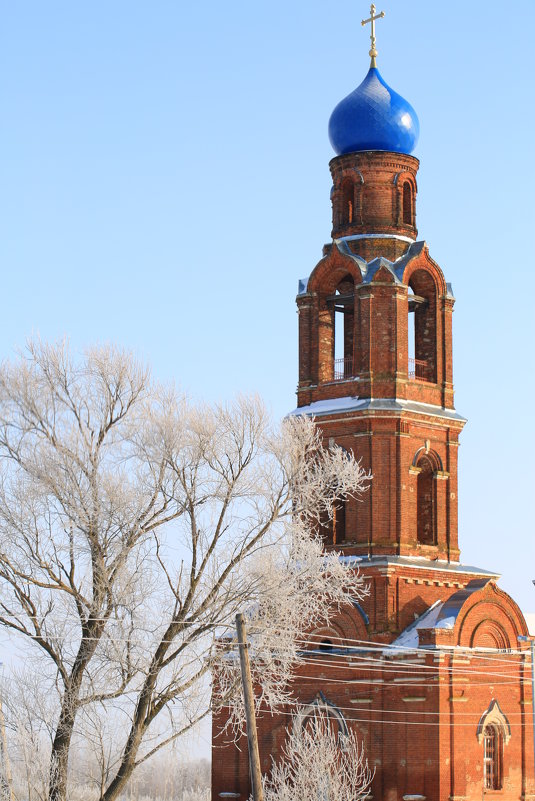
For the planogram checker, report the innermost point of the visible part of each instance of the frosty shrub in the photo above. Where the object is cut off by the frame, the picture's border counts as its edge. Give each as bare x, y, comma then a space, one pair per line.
319, 764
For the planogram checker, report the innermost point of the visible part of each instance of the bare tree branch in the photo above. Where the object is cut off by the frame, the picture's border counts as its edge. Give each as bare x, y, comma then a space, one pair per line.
134, 525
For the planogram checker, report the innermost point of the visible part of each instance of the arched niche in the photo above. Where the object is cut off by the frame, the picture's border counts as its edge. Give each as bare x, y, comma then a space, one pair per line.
347, 202
490, 634
405, 189
346, 199
407, 203
426, 464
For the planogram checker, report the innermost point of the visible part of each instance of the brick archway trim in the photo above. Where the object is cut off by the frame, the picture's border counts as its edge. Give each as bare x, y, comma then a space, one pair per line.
494, 716
322, 704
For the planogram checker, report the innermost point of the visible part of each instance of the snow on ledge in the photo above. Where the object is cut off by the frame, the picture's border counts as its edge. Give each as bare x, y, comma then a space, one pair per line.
347, 404
350, 403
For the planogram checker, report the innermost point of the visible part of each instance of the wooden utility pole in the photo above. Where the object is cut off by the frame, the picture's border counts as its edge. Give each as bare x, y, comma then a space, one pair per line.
248, 697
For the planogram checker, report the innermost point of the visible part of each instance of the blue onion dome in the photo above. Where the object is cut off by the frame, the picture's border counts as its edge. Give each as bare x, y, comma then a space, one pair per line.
373, 117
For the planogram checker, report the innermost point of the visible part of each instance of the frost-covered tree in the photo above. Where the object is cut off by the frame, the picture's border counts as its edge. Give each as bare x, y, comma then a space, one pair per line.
133, 526
319, 763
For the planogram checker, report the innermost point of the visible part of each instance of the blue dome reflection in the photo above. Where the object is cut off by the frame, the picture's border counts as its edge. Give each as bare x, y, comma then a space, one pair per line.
373, 117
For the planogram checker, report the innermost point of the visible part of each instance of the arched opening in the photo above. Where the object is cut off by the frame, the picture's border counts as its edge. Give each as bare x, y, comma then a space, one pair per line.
425, 502
492, 758
407, 203
326, 645
348, 203
422, 327
344, 325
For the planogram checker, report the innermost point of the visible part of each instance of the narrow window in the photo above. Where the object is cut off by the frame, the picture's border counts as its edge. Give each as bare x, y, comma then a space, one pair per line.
339, 521
407, 203
492, 758
411, 336
334, 528
348, 193
425, 503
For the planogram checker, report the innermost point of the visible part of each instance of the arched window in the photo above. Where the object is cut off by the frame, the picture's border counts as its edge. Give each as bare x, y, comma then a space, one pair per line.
492, 758
493, 732
425, 503
407, 203
348, 202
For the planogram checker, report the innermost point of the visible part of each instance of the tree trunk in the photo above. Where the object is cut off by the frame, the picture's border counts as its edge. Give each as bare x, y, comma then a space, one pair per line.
59, 757
127, 766
142, 719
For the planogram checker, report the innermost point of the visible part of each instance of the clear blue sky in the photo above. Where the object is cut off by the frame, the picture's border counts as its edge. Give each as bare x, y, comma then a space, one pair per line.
164, 183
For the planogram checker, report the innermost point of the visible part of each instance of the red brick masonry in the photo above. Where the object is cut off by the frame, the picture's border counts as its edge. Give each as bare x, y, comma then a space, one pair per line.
431, 660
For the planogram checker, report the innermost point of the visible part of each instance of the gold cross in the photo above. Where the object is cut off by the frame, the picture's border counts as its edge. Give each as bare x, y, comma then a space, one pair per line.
374, 16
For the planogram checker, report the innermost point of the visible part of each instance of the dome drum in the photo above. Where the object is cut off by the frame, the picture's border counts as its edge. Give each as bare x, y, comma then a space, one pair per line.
374, 192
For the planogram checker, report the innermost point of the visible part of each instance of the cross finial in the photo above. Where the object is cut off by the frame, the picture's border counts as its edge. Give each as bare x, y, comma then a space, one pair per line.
373, 17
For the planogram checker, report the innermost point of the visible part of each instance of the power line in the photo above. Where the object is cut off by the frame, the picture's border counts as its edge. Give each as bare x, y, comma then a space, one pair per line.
431, 681
386, 667
372, 645
454, 724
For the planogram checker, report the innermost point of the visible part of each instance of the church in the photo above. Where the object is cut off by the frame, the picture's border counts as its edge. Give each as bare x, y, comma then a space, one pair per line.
432, 670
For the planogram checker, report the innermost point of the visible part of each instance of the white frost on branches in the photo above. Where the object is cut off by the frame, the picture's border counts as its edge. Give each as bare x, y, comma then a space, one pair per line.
298, 585
299, 588
319, 764
134, 525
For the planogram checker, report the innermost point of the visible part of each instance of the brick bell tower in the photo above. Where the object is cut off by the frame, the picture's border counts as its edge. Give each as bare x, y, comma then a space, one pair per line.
432, 669
375, 350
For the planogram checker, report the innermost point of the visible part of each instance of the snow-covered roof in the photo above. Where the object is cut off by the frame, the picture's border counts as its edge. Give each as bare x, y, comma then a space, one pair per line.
352, 403
408, 639
441, 615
